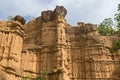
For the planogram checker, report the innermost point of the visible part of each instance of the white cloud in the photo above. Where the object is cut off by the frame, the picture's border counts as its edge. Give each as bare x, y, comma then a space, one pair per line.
91, 11
23, 7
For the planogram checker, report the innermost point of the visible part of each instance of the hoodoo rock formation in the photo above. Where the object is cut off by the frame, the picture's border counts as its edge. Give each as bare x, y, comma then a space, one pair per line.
48, 46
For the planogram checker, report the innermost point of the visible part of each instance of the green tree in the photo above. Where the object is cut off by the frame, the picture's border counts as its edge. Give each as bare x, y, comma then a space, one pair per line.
105, 28
117, 18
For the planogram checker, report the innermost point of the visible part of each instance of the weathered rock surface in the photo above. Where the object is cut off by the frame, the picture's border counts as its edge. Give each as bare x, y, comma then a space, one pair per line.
55, 48
19, 19
11, 41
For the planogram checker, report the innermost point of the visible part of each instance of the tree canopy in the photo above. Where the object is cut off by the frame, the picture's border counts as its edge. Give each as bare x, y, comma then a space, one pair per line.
106, 27
117, 18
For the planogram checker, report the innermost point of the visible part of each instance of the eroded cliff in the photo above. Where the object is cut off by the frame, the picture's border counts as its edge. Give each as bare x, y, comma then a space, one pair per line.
56, 50
11, 41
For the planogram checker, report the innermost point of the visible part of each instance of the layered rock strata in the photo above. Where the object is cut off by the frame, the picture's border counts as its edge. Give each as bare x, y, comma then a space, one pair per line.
11, 41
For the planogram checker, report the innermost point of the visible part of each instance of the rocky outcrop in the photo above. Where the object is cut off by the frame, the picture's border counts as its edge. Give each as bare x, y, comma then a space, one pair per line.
19, 19
11, 41
46, 40
55, 50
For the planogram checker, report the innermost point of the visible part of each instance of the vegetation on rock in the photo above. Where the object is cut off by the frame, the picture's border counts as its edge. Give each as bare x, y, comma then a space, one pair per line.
39, 77
115, 46
105, 28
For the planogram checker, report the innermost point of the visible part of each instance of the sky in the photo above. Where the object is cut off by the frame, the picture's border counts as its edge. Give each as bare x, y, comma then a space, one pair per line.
88, 11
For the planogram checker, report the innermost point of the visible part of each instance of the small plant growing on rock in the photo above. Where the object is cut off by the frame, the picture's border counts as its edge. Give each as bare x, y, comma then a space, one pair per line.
39, 77
115, 47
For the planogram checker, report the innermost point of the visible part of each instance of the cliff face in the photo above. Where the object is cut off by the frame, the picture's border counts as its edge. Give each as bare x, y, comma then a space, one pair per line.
11, 41
55, 48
